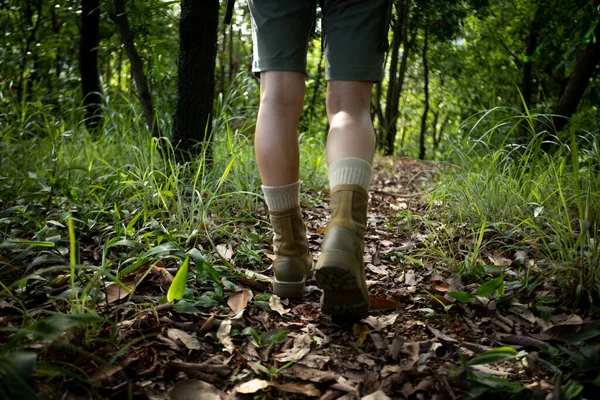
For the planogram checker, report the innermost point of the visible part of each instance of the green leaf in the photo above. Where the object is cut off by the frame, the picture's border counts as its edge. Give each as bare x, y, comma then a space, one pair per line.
572, 389
498, 355
586, 334
165, 249
206, 301
16, 368
177, 287
597, 381
463, 297
273, 337
544, 312
49, 328
183, 307
491, 286
499, 383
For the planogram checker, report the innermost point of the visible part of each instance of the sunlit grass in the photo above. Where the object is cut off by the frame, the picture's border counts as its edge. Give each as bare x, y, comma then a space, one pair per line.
547, 203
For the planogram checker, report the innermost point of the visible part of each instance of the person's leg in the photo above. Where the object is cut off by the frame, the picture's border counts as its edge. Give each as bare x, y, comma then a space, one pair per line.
350, 127
355, 36
276, 137
280, 32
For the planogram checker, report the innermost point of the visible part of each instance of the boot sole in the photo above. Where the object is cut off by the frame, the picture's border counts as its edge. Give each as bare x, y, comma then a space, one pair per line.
291, 290
344, 298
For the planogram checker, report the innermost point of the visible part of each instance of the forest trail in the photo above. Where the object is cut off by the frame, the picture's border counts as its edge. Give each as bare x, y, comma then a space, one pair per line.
410, 347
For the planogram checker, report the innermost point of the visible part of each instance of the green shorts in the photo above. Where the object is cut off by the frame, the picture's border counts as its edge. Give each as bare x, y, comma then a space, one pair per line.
355, 36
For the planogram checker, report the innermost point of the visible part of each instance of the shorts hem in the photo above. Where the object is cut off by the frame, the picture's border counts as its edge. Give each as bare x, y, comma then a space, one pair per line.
278, 64
356, 75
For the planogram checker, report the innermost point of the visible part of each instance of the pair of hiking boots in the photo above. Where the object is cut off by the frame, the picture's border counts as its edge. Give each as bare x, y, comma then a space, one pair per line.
339, 271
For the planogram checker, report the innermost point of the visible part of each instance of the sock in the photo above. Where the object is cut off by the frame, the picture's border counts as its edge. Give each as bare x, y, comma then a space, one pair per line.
350, 170
282, 198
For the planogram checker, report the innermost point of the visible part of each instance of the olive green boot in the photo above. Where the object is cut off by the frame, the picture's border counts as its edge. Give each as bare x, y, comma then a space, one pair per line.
293, 261
340, 271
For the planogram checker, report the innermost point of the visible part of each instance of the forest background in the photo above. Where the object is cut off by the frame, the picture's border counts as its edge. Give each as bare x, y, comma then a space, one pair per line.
131, 124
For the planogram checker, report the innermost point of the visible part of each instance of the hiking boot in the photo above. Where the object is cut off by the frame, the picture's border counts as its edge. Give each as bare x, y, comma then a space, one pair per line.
293, 261
340, 271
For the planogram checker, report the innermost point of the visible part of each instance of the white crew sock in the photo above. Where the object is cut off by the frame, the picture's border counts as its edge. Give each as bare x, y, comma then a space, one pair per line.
282, 198
350, 170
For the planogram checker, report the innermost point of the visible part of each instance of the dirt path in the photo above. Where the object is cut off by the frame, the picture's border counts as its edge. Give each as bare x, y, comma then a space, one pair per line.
410, 346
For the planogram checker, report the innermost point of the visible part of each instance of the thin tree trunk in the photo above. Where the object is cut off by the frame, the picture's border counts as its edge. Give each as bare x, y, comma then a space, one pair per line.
137, 68
426, 100
377, 113
316, 87
574, 89
406, 48
195, 78
88, 63
437, 138
530, 47
231, 59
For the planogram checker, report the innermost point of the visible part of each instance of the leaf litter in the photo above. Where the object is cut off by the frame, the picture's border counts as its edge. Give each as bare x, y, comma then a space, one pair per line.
428, 335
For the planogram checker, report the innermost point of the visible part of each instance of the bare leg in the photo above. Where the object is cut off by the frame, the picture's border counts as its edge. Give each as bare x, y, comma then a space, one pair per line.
351, 129
276, 140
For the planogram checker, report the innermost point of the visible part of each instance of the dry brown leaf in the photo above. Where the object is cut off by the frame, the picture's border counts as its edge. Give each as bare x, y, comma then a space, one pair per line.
361, 332
303, 373
223, 336
300, 348
116, 292
225, 251
209, 323
380, 304
441, 287
252, 386
275, 304
378, 395
304, 389
188, 340
238, 301
193, 389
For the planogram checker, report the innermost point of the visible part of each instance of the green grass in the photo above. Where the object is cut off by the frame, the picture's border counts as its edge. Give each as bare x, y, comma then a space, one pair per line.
79, 212
506, 197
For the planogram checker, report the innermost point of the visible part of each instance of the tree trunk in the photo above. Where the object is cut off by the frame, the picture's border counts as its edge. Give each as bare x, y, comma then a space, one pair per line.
391, 105
530, 46
195, 78
137, 69
426, 100
88, 63
574, 89
316, 87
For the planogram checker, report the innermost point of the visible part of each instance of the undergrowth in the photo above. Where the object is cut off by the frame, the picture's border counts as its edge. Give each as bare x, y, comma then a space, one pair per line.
502, 197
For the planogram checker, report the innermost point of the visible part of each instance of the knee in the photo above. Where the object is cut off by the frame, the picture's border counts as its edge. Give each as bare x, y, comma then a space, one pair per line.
284, 90
348, 97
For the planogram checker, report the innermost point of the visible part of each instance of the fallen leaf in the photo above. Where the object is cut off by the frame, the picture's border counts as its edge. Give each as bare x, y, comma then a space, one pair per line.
315, 361
223, 336
361, 331
411, 278
381, 322
252, 386
378, 395
193, 389
116, 292
238, 301
209, 323
442, 287
188, 340
303, 373
380, 304
304, 389
364, 359
275, 304
300, 348
225, 251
